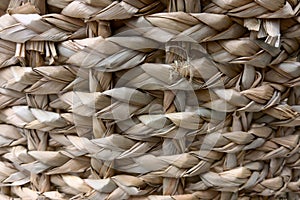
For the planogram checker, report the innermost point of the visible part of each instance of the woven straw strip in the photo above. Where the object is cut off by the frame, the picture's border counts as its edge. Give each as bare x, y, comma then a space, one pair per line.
256, 9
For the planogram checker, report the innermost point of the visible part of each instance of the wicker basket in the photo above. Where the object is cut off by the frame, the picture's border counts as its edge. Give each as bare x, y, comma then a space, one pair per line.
149, 99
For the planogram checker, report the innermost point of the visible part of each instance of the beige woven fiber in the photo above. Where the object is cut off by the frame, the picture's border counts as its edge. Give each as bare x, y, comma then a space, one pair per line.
149, 99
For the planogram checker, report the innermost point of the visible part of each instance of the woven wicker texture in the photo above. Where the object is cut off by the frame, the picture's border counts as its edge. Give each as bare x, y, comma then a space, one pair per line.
149, 99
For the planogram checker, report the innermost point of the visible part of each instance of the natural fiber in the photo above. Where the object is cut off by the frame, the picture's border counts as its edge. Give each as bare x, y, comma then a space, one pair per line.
149, 99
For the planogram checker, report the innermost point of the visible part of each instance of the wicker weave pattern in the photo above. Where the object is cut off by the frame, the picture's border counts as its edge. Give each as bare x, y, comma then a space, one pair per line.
149, 99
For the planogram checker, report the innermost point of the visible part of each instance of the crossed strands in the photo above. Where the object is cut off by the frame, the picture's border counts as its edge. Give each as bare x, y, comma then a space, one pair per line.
106, 118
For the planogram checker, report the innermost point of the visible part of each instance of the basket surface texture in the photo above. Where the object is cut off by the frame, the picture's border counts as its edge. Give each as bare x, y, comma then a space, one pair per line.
149, 99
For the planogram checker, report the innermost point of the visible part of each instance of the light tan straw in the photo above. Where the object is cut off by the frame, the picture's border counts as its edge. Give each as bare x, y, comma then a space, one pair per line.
149, 99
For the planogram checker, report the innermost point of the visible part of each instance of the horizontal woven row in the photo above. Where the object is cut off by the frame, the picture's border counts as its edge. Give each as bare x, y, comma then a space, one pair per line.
149, 99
